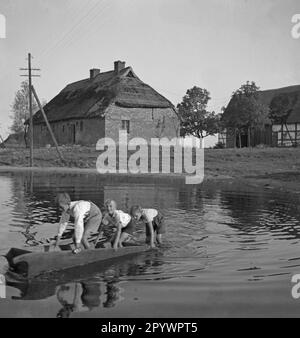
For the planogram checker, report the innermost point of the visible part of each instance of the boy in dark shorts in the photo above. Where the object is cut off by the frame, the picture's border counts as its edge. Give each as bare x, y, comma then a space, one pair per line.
87, 218
154, 221
112, 224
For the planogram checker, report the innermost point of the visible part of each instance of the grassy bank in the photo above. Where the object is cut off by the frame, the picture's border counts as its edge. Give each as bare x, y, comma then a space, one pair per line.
279, 166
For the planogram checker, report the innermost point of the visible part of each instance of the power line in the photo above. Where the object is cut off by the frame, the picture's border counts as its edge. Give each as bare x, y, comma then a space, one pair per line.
88, 31
58, 37
71, 30
75, 36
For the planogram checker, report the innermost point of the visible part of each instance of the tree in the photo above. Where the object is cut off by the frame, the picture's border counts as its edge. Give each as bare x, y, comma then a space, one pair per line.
194, 117
20, 108
281, 107
245, 112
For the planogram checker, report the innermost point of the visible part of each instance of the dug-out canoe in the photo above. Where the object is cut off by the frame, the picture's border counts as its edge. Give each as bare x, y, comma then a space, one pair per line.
31, 264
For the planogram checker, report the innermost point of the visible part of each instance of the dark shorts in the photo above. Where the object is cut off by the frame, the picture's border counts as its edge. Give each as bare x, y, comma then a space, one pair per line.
158, 225
130, 227
93, 220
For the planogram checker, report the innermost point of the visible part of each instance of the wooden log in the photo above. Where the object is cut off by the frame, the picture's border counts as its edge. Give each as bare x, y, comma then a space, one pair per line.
48, 125
35, 263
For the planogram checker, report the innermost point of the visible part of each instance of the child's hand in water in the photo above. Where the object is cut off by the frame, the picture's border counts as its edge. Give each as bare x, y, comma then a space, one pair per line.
76, 251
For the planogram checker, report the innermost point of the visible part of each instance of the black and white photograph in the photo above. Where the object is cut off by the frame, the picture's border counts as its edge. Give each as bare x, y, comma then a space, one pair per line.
149, 161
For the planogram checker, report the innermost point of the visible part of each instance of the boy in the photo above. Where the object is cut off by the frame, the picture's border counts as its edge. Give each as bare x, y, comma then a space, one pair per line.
112, 223
87, 219
154, 225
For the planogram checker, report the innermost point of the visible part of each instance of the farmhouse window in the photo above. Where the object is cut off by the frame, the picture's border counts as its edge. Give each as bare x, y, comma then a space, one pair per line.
126, 125
81, 126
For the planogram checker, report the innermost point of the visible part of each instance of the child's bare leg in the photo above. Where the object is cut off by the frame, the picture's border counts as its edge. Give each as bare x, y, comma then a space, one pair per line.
123, 238
92, 224
159, 239
85, 241
112, 240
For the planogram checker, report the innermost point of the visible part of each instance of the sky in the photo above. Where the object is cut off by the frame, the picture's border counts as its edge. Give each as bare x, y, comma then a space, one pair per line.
172, 45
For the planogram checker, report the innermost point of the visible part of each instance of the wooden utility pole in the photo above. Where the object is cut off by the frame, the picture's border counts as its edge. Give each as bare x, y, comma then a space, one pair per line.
30, 113
2, 141
48, 124
29, 75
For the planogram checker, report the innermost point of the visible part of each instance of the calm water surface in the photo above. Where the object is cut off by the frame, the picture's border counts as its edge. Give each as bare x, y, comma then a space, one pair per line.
230, 250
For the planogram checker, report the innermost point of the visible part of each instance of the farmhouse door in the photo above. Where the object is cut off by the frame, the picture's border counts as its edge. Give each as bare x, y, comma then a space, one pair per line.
72, 134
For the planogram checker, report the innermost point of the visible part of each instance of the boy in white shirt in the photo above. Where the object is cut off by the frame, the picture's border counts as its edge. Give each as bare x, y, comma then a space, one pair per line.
87, 218
154, 221
112, 223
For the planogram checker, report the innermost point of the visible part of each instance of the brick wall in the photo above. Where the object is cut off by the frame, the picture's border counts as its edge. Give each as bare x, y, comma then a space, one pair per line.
85, 132
143, 122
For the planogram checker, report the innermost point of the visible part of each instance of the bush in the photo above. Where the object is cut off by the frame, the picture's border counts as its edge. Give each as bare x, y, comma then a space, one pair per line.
219, 145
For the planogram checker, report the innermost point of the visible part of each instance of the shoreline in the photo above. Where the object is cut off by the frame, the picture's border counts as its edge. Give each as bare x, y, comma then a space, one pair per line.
292, 186
259, 167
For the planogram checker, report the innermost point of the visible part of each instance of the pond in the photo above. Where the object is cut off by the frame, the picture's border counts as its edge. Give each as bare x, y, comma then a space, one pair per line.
230, 250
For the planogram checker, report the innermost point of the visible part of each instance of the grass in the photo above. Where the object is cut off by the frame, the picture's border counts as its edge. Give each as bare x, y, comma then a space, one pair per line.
279, 165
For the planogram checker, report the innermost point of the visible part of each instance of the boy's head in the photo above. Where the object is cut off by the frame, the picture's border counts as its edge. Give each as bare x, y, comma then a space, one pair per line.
110, 206
63, 200
136, 212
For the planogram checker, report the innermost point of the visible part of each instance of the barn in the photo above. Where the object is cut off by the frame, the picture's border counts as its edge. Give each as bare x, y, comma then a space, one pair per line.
101, 105
273, 133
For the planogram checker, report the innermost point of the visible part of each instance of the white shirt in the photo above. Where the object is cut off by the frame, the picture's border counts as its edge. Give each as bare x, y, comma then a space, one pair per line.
149, 214
78, 210
118, 216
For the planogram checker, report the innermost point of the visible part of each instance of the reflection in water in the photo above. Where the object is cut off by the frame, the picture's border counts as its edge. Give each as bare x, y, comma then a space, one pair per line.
78, 297
86, 288
113, 291
216, 232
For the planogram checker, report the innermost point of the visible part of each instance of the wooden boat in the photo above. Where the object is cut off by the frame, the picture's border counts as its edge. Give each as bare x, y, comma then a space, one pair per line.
46, 286
31, 264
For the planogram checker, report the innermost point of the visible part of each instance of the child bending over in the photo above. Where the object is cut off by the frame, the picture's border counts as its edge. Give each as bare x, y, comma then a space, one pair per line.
153, 220
112, 223
87, 218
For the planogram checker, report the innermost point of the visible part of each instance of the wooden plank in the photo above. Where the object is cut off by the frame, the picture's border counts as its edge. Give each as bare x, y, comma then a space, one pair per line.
34, 264
48, 125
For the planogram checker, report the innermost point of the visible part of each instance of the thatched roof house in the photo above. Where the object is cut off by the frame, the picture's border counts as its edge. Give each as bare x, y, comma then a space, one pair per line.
87, 110
267, 96
274, 134
15, 140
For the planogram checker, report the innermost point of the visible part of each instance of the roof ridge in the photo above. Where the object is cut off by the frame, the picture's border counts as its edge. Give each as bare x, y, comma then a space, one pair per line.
279, 89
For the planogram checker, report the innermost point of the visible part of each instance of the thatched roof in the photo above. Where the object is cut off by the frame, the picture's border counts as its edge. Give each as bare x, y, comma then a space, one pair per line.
266, 97
15, 140
91, 97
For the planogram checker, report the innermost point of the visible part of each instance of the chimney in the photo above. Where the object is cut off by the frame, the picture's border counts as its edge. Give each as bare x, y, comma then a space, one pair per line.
119, 65
94, 72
